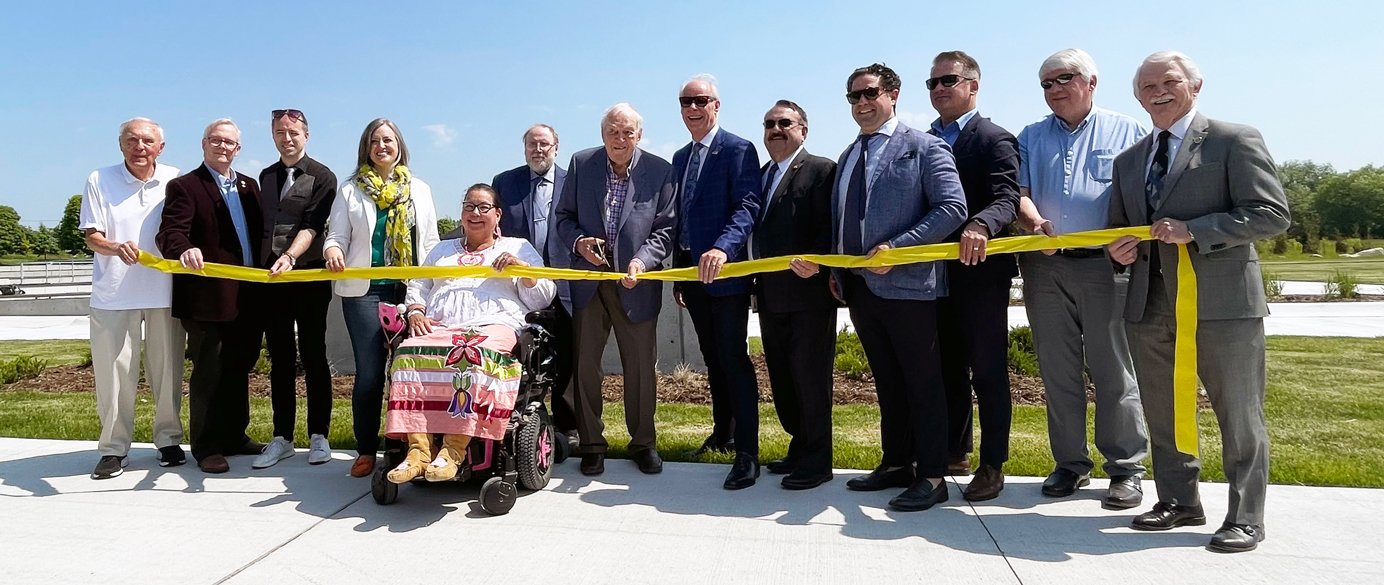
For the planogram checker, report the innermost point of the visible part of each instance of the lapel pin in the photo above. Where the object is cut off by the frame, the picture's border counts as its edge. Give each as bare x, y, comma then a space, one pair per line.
1197, 139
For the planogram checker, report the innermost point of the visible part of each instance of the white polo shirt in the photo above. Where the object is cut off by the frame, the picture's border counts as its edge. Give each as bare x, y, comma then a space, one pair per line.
127, 209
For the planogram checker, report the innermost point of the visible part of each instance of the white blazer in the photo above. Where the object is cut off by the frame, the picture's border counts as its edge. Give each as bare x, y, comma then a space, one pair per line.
352, 223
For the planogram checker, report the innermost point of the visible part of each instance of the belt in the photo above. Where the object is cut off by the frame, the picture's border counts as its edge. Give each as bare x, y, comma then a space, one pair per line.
1080, 252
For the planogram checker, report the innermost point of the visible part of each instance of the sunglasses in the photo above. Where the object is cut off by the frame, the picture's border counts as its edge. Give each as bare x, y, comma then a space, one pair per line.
869, 93
291, 113
700, 100
1063, 79
477, 207
949, 80
784, 123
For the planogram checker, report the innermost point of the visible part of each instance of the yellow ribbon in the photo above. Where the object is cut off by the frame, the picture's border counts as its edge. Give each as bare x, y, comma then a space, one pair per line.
1184, 369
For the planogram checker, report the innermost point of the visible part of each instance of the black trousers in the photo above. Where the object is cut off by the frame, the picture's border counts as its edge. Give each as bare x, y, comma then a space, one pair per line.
973, 328
722, 325
219, 391
562, 399
900, 342
301, 306
799, 350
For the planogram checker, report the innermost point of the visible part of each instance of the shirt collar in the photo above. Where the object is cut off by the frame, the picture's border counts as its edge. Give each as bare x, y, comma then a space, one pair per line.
132, 179
221, 180
888, 127
1180, 127
610, 169
706, 140
783, 164
548, 176
960, 122
1060, 123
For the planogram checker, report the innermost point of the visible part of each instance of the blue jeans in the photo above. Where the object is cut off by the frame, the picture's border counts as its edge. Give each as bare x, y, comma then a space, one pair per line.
368, 345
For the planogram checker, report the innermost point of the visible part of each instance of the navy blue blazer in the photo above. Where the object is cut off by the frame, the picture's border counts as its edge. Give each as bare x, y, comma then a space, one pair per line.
915, 199
514, 187
722, 211
645, 225
987, 157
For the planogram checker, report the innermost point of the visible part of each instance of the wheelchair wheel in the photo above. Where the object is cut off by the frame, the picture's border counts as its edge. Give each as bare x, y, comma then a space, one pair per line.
534, 451
383, 490
498, 497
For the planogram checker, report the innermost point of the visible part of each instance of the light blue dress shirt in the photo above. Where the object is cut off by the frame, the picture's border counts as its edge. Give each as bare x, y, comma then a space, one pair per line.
952, 131
232, 197
1068, 170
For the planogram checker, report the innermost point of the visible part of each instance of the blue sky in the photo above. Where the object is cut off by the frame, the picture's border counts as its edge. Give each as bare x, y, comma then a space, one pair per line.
464, 79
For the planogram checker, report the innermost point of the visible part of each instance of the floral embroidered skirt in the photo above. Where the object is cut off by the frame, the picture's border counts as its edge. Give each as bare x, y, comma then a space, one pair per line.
454, 381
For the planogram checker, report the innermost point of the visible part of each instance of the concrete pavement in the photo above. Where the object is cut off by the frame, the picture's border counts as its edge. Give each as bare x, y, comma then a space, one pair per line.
294, 523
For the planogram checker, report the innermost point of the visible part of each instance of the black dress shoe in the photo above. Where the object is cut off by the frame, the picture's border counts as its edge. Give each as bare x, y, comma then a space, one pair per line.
213, 464
743, 472
919, 496
986, 485
593, 463
881, 478
1063, 482
648, 461
249, 448
783, 466
959, 466
1167, 515
1124, 493
804, 480
1233, 538
713, 443
171, 456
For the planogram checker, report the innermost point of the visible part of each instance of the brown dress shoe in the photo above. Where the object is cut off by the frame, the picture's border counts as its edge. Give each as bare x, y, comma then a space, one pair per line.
363, 466
213, 464
986, 485
961, 466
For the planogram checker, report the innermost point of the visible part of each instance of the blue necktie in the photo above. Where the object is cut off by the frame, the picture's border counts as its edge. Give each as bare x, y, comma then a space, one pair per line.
539, 222
689, 188
765, 200
1153, 189
852, 236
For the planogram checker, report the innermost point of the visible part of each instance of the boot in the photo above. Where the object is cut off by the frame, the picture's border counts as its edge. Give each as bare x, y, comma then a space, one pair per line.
449, 457
419, 453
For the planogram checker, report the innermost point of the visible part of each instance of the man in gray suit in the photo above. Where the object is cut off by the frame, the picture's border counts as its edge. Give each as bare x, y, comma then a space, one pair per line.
616, 213
1211, 186
897, 187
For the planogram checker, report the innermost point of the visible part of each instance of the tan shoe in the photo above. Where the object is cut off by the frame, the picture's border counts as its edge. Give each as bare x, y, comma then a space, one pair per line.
449, 457
419, 453
363, 466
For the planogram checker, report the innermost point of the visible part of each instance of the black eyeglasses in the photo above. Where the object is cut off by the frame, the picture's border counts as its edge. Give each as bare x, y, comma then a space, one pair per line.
700, 100
1063, 79
291, 113
869, 93
477, 207
949, 80
784, 123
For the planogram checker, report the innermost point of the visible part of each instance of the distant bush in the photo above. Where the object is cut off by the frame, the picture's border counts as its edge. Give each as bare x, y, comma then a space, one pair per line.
1311, 246
1273, 287
1352, 245
850, 356
1023, 360
1342, 285
1263, 247
25, 367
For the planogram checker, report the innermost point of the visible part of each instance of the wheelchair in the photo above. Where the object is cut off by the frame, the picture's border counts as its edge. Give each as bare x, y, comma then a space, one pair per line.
531, 445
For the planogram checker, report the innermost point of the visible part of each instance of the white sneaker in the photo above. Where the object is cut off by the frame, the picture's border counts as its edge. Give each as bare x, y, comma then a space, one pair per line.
276, 451
319, 450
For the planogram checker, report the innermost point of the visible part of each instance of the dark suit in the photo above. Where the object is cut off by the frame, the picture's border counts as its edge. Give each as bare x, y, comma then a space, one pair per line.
644, 231
305, 206
1224, 185
915, 198
220, 315
719, 212
973, 320
515, 188
797, 316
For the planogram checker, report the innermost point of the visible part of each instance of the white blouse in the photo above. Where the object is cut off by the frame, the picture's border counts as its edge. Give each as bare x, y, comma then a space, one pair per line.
473, 302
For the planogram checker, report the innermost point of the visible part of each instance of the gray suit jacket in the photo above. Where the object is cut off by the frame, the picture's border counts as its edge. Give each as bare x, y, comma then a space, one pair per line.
1225, 186
645, 229
915, 199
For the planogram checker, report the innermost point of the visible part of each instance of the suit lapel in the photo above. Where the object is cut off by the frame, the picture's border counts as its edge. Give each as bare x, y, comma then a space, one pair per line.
772, 199
1188, 153
968, 133
636, 173
891, 152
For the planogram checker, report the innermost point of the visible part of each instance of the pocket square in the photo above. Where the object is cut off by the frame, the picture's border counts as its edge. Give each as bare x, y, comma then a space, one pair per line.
908, 155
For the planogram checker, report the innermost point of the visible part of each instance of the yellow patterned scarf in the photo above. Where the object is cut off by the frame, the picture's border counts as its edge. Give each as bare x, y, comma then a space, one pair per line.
393, 196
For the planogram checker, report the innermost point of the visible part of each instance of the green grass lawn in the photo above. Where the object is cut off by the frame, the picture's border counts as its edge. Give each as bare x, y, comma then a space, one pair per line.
1325, 408
1365, 270
58, 352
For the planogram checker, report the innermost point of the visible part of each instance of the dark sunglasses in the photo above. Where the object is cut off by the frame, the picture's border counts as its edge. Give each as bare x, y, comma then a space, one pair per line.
700, 100
869, 93
1063, 79
291, 113
477, 207
784, 123
949, 80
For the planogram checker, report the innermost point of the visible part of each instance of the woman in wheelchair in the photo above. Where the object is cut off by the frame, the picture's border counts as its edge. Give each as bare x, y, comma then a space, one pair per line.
456, 374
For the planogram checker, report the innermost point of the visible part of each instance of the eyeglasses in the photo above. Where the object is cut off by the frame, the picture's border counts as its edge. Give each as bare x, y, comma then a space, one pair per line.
949, 80
869, 93
291, 113
784, 123
540, 146
481, 208
226, 142
1063, 79
700, 100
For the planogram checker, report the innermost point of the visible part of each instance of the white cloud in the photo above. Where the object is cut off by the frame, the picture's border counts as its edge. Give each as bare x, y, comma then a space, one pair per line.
442, 135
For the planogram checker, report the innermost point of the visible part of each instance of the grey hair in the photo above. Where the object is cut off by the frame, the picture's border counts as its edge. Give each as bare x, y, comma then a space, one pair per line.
1189, 67
706, 78
1076, 59
132, 122
222, 122
626, 109
544, 126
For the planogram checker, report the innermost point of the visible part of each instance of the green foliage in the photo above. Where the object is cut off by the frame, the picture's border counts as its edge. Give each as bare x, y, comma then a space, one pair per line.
850, 356
1352, 204
1342, 285
1350, 246
1273, 286
1300, 182
42, 242
69, 237
445, 225
1023, 360
24, 367
14, 239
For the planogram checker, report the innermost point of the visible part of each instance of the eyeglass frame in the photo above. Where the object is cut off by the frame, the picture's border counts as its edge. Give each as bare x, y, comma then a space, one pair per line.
291, 113
476, 208
222, 142
780, 122
1062, 80
853, 97
933, 82
701, 101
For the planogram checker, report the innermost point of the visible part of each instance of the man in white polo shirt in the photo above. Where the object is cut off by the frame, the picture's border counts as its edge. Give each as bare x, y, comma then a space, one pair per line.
121, 209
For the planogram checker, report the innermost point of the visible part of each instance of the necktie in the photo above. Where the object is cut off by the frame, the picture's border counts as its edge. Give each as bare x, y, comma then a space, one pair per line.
767, 197
852, 236
288, 183
1157, 172
689, 188
541, 207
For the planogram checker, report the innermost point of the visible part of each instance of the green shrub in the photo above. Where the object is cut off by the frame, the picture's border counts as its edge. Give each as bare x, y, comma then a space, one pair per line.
850, 356
86, 358
1023, 359
1311, 246
1352, 245
24, 367
1273, 287
1264, 247
1342, 285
